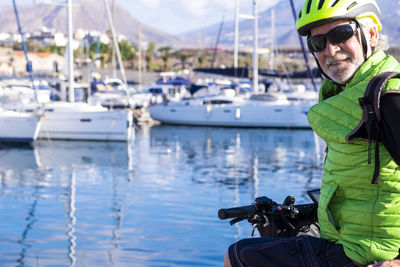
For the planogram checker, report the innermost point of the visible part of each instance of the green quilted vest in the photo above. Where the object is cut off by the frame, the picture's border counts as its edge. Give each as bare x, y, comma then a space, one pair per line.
363, 217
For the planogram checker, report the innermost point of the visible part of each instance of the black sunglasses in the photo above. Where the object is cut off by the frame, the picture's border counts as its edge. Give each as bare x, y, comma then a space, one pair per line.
337, 35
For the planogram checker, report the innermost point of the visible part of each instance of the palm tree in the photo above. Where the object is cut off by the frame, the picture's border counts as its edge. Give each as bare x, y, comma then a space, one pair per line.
165, 59
200, 60
149, 54
164, 50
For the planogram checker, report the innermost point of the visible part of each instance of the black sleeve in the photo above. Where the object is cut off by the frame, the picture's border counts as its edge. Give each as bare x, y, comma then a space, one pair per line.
390, 111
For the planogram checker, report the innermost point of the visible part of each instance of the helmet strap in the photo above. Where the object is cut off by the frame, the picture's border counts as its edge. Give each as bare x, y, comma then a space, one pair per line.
363, 40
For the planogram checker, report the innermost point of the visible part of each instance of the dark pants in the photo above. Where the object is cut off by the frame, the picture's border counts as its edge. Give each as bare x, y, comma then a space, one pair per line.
304, 250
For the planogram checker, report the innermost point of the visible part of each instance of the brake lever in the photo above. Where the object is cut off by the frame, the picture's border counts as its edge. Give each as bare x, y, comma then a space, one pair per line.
288, 206
236, 220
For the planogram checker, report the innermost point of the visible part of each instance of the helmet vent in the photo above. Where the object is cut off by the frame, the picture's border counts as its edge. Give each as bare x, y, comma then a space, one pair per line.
352, 5
299, 16
334, 3
308, 6
321, 3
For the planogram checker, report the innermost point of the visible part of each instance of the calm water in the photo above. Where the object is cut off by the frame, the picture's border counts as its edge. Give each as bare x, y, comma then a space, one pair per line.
151, 203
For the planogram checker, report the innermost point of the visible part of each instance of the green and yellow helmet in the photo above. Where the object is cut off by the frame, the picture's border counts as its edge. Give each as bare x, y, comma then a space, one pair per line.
317, 12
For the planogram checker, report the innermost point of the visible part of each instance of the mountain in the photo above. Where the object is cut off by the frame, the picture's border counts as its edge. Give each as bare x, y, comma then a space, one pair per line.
91, 15
284, 26
88, 15
285, 33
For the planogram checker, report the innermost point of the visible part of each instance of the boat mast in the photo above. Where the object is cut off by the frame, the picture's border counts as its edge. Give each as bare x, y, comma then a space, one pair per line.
272, 53
221, 25
115, 42
113, 54
28, 63
236, 52
254, 17
140, 63
255, 49
70, 54
303, 49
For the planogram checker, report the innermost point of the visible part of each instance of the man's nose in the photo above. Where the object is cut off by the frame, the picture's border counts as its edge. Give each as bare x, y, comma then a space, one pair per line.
331, 49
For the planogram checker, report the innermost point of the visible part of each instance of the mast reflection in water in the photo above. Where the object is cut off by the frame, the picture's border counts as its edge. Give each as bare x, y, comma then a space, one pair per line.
150, 203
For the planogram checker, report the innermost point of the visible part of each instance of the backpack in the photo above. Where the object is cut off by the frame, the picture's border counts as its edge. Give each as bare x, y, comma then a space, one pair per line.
381, 119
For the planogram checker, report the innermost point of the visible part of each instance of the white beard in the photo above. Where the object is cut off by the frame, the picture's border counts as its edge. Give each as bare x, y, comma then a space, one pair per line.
342, 67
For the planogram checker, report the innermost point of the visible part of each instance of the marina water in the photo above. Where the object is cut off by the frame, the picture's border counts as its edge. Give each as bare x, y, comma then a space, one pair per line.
153, 202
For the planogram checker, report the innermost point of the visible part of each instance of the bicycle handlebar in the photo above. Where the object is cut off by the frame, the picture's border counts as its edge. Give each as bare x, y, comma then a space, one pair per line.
261, 204
243, 211
265, 205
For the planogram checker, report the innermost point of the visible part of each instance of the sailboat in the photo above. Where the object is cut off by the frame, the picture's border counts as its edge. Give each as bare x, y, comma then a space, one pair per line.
272, 109
263, 110
80, 121
19, 127
113, 92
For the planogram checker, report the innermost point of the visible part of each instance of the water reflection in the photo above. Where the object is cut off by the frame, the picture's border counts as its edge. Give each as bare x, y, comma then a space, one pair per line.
64, 153
18, 158
72, 221
239, 157
29, 220
121, 189
41, 180
150, 203
16, 163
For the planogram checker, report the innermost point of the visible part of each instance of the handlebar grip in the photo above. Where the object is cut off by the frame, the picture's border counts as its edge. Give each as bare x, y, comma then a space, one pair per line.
244, 211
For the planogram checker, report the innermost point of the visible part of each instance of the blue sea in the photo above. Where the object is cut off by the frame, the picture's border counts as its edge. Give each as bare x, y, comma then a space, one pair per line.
152, 202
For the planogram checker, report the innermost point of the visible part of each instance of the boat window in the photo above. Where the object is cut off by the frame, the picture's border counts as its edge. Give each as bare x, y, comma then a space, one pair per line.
155, 90
217, 102
264, 97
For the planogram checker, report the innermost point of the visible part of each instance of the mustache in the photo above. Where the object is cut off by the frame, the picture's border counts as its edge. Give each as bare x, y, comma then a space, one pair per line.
337, 57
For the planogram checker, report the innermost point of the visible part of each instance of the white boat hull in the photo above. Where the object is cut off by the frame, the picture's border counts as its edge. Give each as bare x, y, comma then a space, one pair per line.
81, 121
19, 127
275, 116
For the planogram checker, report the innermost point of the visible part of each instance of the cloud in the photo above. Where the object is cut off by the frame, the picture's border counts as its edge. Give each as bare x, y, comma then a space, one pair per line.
203, 8
198, 8
151, 3
247, 5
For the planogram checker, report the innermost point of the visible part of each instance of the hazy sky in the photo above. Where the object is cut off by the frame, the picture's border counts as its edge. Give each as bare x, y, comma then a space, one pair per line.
176, 16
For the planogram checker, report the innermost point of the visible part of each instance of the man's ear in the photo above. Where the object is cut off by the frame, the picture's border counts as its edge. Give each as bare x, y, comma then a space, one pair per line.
373, 36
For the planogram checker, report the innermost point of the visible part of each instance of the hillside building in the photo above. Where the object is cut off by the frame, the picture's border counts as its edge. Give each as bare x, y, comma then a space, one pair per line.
43, 63
6, 61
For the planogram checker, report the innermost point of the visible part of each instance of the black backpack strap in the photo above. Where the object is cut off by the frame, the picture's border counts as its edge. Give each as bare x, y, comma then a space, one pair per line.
370, 104
390, 123
377, 167
374, 90
398, 256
